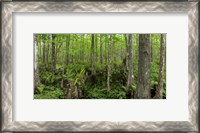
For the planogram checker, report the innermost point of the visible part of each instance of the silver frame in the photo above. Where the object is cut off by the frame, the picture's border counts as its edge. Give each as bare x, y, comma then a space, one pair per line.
191, 7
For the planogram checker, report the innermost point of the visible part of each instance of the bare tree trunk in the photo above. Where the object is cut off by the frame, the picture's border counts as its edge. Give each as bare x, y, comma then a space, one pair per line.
121, 49
151, 47
43, 53
126, 52
113, 50
53, 53
130, 65
36, 70
159, 90
143, 86
137, 42
101, 50
105, 43
92, 54
72, 47
83, 47
47, 53
67, 49
125, 60
109, 64
96, 44
40, 51
80, 50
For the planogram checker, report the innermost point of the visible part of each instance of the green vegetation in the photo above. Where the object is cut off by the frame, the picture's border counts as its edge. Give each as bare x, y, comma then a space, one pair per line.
99, 66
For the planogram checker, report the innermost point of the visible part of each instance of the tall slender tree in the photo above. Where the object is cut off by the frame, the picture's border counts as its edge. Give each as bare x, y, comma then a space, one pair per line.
53, 57
72, 47
101, 49
40, 47
159, 89
83, 47
121, 47
67, 48
137, 42
96, 46
43, 49
47, 52
36, 70
127, 51
151, 36
92, 54
106, 48
109, 64
113, 50
143, 85
80, 48
130, 65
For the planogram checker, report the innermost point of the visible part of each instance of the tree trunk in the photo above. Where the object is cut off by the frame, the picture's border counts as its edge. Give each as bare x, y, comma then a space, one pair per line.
96, 44
113, 50
126, 52
67, 49
109, 65
105, 44
159, 90
36, 70
53, 53
92, 54
72, 47
121, 47
80, 50
143, 86
101, 50
130, 65
47, 53
137, 43
40, 51
43, 53
151, 47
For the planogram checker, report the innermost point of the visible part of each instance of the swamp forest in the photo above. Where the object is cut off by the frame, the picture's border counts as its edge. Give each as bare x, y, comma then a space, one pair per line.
99, 66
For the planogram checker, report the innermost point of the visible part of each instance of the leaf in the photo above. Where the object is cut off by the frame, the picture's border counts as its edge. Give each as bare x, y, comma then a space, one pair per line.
41, 88
124, 88
133, 86
58, 66
75, 81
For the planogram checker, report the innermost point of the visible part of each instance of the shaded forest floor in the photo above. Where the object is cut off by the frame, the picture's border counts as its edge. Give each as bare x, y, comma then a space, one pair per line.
82, 84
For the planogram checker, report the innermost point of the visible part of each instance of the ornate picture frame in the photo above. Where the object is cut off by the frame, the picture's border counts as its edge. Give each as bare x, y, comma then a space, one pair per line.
9, 7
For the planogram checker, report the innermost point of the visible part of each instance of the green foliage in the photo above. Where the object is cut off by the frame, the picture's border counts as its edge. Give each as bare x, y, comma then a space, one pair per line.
117, 94
56, 93
133, 87
78, 72
100, 92
41, 88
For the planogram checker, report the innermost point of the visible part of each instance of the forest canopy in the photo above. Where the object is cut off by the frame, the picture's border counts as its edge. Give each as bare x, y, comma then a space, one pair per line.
99, 66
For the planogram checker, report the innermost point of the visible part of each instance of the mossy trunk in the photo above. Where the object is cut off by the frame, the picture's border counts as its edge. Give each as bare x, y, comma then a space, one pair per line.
143, 86
159, 89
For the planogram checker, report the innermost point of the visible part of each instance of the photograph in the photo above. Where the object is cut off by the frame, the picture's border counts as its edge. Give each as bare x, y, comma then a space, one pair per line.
110, 66
99, 66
